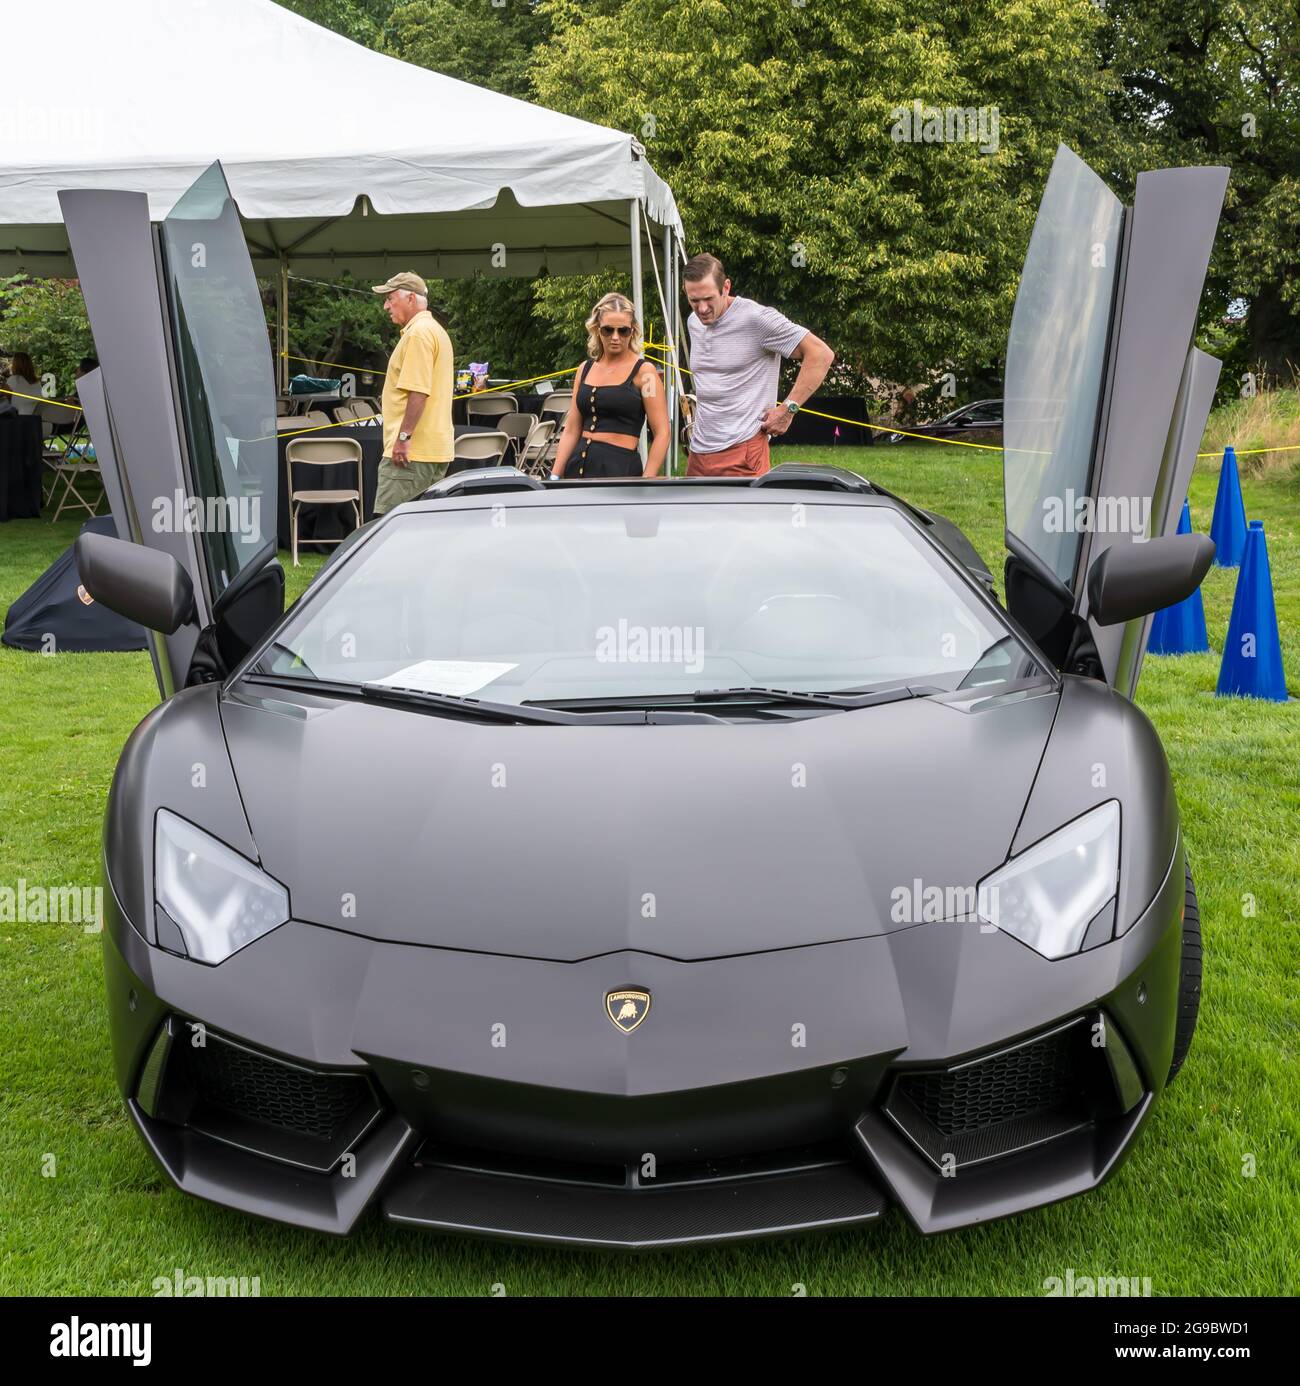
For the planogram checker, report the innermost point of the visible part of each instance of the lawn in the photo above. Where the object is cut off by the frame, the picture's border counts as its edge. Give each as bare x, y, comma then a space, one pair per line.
85, 1211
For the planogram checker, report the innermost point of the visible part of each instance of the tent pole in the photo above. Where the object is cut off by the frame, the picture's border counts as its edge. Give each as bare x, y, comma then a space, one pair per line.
634, 208
671, 329
282, 328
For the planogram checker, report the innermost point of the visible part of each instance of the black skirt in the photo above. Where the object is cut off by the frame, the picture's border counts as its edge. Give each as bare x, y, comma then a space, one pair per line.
592, 459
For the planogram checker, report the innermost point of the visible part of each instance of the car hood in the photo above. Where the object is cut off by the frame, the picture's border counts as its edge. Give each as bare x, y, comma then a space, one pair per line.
690, 841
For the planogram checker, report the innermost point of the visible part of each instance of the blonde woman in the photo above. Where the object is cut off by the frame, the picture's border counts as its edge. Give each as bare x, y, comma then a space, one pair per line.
616, 394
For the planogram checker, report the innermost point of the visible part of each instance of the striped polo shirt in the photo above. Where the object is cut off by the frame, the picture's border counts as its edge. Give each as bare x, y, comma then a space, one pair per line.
736, 365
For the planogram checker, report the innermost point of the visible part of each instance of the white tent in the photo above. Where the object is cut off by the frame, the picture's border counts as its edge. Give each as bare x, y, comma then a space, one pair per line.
338, 158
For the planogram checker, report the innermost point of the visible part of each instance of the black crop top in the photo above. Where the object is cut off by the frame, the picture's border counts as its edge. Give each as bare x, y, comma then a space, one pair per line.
612, 408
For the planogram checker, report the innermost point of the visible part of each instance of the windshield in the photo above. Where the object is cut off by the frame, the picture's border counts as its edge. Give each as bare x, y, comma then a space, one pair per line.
547, 603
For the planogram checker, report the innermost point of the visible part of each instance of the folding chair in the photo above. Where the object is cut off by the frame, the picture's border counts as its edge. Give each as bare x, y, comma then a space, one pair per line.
479, 449
57, 423
321, 452
516, 427
557, 403
489, 409
535, 455
68, 463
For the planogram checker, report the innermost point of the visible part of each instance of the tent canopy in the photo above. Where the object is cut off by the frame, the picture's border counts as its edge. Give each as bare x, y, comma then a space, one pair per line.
339, 158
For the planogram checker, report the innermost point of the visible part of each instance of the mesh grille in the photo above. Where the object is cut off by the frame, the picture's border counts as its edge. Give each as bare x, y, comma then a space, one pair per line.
260, 1089
1022, 1082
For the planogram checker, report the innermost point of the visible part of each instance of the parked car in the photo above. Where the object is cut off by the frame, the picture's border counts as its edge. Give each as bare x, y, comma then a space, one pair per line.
980, 422
650, 863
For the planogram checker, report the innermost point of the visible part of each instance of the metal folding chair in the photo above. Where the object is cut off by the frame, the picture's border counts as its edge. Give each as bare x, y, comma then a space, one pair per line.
489, 409
321, 452
482, 449
535, 455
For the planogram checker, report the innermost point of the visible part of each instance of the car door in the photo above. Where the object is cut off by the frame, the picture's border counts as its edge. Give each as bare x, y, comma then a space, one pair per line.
982, 423
183, 407
1105, 396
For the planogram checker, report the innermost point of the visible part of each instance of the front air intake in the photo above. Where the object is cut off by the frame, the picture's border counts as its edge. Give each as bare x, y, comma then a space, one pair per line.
246, 1098
1002, 1102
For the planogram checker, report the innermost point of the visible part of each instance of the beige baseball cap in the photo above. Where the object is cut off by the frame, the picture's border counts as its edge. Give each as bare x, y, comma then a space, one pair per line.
405, 280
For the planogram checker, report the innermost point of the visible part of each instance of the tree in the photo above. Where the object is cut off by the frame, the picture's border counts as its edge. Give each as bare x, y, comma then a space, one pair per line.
46, 318
1216, 82
362, 21
788, 134
491, 45
335, 326
478, 41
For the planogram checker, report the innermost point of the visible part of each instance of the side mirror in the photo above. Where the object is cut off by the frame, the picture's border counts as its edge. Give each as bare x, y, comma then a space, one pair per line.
141, 584
1134, 580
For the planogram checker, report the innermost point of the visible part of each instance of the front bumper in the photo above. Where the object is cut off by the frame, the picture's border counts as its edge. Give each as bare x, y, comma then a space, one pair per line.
765, 1094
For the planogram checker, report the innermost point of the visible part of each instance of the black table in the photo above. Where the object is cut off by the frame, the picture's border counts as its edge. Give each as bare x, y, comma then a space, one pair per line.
328, 521
808, 429
20, 467
338, 520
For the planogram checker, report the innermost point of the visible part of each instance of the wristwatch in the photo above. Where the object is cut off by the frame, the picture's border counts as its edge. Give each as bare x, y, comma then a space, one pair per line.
403, 437
792, 406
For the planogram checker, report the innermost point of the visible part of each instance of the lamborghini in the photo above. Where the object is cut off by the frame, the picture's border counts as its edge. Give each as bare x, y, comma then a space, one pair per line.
649, 863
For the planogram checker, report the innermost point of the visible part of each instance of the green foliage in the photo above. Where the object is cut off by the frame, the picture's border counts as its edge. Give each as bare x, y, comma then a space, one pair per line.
774, 124
362, 21
46, 318
473, 40
1215, 82
336, 325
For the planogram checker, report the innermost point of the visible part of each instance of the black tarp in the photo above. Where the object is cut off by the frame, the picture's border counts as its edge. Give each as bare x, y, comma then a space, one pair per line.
57, 605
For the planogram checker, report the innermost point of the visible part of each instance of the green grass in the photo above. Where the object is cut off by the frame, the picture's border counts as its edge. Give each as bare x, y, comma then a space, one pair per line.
1181, 1211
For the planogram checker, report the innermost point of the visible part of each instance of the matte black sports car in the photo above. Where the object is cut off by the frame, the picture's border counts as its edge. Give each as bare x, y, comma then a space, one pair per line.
636, 864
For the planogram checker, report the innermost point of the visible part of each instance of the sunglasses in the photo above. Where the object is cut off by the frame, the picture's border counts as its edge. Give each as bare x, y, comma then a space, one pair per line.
615, 331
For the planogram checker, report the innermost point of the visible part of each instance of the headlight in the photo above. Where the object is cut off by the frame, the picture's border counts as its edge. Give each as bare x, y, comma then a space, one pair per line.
220, 900
1049, 894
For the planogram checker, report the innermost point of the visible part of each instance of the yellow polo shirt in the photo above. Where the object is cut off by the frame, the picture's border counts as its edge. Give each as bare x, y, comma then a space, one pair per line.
421, 361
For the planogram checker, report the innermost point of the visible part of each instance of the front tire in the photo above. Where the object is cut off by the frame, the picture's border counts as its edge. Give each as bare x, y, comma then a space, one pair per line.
1189, 977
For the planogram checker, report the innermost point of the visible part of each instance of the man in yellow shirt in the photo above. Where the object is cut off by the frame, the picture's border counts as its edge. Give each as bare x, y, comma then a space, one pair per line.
417, 396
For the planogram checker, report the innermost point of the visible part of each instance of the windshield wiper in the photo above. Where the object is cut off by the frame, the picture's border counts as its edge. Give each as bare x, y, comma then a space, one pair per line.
474, 707
847, 698
753, 697
421, 698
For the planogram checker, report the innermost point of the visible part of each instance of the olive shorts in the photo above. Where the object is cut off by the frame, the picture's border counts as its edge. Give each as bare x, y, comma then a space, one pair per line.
397, 484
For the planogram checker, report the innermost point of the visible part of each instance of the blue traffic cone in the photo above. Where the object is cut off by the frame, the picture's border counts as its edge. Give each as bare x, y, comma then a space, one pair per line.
1252, 653
1180, 629
1228, 527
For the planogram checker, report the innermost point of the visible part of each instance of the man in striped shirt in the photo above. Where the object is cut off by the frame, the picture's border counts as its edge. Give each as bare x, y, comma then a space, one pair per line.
736, 351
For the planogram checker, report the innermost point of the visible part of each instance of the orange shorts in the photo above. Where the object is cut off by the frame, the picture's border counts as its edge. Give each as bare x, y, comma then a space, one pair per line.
750, 458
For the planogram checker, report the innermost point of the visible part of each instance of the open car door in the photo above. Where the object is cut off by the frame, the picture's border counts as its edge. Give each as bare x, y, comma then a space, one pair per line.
1105, 397
182, 409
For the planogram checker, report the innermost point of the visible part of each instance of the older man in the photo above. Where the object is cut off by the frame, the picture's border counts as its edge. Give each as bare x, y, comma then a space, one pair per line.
736, 351
417, 396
